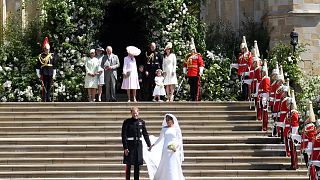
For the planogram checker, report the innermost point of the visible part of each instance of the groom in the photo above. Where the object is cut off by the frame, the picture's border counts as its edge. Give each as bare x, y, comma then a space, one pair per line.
132, 130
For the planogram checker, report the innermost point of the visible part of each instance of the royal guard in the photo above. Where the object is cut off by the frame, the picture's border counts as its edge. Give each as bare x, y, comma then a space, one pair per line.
277, 101
193, 68
244, 65
256, 65
46, 70
264, 89
314, 166
274, 85
309, 133
284, 109
291, 130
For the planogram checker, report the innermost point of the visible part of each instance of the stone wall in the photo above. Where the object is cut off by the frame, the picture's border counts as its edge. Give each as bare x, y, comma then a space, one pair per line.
281, 16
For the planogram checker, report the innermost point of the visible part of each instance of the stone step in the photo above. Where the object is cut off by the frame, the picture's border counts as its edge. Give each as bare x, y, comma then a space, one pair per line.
119, 167
198, 173
121, 113
111, 152
117, 140
119, 123
118, 147
143, 109
186, 177
117, 128
118, 159
125, 105
49, 133
122, 117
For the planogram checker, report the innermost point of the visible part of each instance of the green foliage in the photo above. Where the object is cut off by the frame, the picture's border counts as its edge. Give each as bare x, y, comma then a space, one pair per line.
73, 29
282, 53
17, 63
217, 82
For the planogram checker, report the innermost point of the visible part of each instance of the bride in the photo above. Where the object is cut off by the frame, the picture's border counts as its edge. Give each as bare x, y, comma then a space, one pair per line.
169, 147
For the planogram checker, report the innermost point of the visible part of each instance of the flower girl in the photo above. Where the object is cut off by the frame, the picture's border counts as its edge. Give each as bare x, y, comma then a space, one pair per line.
159, 88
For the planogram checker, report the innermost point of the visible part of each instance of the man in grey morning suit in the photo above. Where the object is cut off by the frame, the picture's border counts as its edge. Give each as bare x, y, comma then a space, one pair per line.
110, 63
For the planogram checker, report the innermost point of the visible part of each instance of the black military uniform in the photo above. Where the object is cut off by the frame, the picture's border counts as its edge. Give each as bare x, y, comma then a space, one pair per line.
132, 131
152, 62
47, 65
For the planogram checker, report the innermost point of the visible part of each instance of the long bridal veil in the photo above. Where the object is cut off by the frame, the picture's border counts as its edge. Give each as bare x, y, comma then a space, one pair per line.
152, 158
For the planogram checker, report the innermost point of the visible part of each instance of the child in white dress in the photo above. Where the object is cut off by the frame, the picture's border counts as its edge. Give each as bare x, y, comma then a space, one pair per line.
159, 88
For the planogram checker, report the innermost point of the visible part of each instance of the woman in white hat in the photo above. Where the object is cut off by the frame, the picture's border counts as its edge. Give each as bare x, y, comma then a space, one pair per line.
169, 67
130, 74
91, 80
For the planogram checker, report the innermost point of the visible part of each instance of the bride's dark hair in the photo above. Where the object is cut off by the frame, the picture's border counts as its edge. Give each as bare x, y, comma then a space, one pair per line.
169, 117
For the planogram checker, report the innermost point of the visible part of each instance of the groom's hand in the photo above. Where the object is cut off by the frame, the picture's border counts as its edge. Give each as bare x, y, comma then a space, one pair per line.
150, 147
126, 152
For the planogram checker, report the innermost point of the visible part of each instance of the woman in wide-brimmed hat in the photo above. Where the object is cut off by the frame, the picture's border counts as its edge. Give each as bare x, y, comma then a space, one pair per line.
130, 74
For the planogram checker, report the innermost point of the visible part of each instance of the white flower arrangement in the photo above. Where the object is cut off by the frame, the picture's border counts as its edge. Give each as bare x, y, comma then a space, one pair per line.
172, 146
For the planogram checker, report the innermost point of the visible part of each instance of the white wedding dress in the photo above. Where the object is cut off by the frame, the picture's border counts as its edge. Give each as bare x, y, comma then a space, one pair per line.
169, 166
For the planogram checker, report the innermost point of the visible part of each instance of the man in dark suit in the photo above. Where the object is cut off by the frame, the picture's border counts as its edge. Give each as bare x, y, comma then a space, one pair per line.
46, 70
132, 131
152, 61
110, 63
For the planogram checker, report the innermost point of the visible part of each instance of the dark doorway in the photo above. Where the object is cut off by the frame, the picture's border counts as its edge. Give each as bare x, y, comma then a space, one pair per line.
123, 26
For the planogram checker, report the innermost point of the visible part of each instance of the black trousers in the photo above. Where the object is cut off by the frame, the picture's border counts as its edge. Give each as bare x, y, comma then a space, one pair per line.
194, 83
136, 172
47, 81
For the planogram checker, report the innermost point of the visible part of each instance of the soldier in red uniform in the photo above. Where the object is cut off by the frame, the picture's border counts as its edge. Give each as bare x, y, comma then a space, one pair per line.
290, 130
244, 65
256, 66
284, 108
315, 159
309, 133
193, 68
277, 101
264, 89
273, 87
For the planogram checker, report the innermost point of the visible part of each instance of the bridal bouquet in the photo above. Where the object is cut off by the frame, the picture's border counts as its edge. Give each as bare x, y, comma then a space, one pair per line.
172, 146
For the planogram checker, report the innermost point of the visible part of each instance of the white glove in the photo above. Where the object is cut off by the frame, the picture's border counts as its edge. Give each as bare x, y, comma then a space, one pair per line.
201, 71
54, 73
184, 70
38, 73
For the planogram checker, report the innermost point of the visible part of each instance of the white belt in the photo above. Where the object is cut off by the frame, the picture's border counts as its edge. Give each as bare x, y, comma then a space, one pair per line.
317, 149
133, 138
283, 112
280, 124
278, 99
287, 125
274, 114
271, 98
242, 64
271, 92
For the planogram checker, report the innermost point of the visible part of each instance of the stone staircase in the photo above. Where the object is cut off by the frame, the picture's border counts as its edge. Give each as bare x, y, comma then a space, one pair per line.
63, 141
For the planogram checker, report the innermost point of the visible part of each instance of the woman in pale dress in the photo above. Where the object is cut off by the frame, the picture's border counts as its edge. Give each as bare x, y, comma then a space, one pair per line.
99, 56
92, 70
169, 167
130, 73
169, 67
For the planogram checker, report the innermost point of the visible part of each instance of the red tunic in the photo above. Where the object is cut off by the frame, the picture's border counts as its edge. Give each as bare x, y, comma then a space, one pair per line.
274, 87
256, 78
244, 62
193, 62
315, 155
264, 86
284, 109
